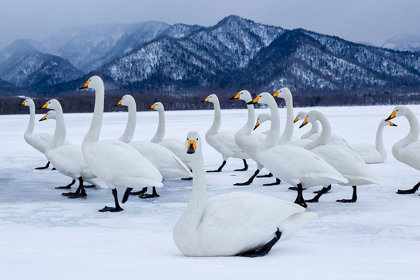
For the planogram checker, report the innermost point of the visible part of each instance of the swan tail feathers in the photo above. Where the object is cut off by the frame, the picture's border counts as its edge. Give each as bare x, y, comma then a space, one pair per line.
292, 224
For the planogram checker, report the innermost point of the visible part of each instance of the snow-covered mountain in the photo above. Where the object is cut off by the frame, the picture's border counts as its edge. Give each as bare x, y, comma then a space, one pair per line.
403, 42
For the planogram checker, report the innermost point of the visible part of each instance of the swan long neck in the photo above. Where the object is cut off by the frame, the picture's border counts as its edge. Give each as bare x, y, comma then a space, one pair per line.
31, 124
160, 132
413, 135
193, 213
131, 124
95, 126
288, 129
379, 143
325, 133
60, 130
247, 128
314, 129
217, 118
274, 132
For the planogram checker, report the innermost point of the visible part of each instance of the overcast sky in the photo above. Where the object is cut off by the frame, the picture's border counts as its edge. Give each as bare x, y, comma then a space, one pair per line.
372, 21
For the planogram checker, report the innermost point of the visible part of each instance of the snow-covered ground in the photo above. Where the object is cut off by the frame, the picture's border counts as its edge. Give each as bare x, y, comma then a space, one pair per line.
44, 235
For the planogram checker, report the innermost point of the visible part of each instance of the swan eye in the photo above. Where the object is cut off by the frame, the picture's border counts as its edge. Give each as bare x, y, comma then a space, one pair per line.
197, 139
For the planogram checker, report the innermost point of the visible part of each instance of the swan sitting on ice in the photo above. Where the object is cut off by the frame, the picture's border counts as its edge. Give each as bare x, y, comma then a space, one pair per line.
116, 163
223, 142
235, 224
407, 150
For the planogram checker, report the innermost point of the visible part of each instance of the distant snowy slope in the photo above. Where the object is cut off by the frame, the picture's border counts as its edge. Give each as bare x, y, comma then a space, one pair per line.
404, 42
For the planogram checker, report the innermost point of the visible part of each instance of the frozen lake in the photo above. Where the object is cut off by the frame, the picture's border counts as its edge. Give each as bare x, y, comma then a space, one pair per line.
44, 235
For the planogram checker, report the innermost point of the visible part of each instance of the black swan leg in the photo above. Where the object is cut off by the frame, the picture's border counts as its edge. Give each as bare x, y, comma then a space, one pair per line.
413, 190
187, 179
81, 192
45, 167
89, 186
143, 190
117, 207
245, 166
220, 167
249, 180
353, 199
264, 250
126, 195
295, 188
299, 198
322, 190
266, 175
277, 182
316, 198
146, 195
68, 186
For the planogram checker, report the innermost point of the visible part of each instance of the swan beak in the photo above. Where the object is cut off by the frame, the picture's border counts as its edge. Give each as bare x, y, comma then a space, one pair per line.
276, 94
23, 103
44, 106
207, 99
392, 124
393, 115
119, 102
86, 85
305, 122
192, 145
257, 124
255, 101
296, 119
153, 106
43, 118
236, 96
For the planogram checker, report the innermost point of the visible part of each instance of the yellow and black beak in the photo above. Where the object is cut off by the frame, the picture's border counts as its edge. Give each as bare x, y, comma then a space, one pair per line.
44, 106
43, 118
192, 146
255, 101
392, 124
86, 85
257, 124
393, 115
23, 103
207, 99
119, 102
236, 96
276, 94
305, 122
296, 119
153, 106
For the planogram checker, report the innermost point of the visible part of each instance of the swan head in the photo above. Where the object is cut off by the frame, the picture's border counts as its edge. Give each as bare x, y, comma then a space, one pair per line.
300, 116
193, 142
158, 106
27, 102
312, 116
262, 118
262, 98
50, 115
243, 95
283, 93
93, 82
398, 111
211, 98
125, 100
52, 104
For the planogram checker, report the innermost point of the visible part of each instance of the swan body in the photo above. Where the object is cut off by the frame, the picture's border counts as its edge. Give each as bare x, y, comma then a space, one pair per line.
374, 153
222, 141
174, 145
294, 165
231, 224
113, 161
168, 164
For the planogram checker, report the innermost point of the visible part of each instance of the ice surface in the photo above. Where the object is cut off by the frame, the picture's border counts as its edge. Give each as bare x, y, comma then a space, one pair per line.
44, 235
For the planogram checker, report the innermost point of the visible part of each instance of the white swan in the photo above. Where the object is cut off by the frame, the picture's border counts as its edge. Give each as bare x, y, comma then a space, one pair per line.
371, 153
168, 164
344, 160
223, 142
37, 141
407, 150
235, 224
245, 139
67, 159
174, 145
292, 164
113, 161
